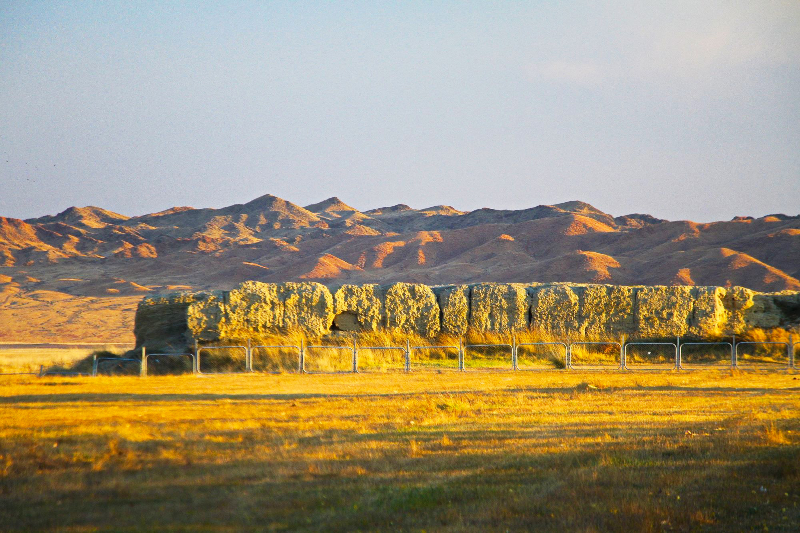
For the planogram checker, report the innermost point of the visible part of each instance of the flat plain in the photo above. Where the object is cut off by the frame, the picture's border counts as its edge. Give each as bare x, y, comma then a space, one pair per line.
434, 451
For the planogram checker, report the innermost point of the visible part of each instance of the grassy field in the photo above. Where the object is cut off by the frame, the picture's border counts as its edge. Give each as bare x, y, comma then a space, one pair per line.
433, 451
31, 357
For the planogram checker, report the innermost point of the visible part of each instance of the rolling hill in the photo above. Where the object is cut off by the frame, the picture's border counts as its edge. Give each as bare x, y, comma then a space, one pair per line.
94, 255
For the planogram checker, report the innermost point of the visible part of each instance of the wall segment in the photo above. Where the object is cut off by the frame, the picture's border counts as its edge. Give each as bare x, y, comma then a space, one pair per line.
174, 320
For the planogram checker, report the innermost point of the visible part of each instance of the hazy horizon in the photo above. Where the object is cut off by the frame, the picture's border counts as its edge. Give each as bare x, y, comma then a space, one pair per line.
678, 110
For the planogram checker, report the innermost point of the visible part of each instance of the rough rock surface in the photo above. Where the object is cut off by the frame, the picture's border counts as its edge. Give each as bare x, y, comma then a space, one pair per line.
454, 304
663, 311
255, 307
555, 309
710, 315
498, 307
207, 318
307, 306
363, 301
606, 309
412, 307
592, 312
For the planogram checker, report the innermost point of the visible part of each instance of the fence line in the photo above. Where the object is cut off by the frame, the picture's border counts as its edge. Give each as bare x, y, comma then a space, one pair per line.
522, 345
619, 362
675, 366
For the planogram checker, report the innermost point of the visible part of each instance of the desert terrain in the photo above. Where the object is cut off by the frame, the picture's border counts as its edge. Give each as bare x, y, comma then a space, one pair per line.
78, 275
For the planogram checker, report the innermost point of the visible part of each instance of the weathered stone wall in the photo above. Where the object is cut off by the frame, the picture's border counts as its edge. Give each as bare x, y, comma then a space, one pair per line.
364, 303
498, 307
307, 306
412, 307
662, 310
606, 309
454, 305
568, 310
555, 308
710, 316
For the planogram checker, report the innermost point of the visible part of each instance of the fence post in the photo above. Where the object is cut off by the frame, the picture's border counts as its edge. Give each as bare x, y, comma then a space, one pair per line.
41, 371
568, 355
302, 362
408, 356
514, 352
791, 352
196, 369
733, 352
355, 357
623, 364
143, 367
678, 352
94, 365
460, 355
248, 358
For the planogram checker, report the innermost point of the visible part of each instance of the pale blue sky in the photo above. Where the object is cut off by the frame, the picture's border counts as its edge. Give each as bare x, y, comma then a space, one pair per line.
678, 109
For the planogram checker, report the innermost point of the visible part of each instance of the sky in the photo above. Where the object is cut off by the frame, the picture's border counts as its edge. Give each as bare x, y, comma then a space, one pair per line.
683, 110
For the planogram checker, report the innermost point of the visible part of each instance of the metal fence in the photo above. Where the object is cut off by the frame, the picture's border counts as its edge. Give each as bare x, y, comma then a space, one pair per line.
541, 356
658, 356
63, 359
598, 355
351, 358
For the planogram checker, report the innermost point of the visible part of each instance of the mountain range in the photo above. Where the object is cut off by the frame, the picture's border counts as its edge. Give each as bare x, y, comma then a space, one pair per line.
93, 253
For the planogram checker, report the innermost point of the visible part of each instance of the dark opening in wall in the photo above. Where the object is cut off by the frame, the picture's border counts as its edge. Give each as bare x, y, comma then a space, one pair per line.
347, 321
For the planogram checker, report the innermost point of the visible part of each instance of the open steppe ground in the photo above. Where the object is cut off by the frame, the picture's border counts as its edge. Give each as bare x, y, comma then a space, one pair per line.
449, 451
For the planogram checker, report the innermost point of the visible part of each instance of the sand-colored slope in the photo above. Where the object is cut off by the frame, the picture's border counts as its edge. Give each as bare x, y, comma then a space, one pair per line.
328, 267
271, 239
49, 316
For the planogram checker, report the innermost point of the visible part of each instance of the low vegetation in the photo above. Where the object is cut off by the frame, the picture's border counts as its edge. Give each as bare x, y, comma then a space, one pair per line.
536, 350
553, 451
54, 358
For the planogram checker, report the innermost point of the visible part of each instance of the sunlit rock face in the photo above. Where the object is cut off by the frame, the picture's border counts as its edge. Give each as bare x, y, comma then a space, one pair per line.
307, 306
554, 308
412, 307
454, 305
588, 311
606, 309
499, 307
359, 307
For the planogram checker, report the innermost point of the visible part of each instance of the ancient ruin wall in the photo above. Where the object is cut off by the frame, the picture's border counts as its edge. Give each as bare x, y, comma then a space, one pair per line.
575, 310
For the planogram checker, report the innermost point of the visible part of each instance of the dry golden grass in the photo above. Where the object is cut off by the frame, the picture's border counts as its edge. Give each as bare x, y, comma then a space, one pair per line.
31, 358
558, 451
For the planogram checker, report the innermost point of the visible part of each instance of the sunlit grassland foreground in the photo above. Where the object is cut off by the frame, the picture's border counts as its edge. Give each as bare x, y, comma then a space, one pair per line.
393, 451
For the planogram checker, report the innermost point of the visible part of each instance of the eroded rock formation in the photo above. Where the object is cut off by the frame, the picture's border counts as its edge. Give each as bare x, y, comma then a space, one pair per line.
578, 311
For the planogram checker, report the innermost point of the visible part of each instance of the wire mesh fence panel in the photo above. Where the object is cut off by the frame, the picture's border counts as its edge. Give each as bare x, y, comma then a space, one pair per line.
594, 355
436, 357
699, 355
489, 356
279, 358
542, 356
650, 355
381, 358
117, 366
168, 364
221, 359
762, 354
325, 359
